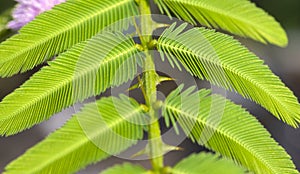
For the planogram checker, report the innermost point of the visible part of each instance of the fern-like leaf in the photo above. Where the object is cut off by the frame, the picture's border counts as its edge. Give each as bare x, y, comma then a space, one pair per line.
85, 70
206, 163
100, 130
228, 129
225, 62
239, 17
125, 168
59, 29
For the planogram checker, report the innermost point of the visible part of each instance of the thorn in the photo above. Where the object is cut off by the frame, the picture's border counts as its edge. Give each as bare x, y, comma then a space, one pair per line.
139, 153
162, 79
137, 85
166, 148
134, 87
161, 25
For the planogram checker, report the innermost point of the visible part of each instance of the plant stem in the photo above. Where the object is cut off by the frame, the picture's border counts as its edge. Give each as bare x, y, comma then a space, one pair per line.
150, 80
146, 21
155, 141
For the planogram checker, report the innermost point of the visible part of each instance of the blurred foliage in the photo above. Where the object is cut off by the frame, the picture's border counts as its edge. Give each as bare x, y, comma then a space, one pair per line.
5, 17
5, 10
4, 4
286, 12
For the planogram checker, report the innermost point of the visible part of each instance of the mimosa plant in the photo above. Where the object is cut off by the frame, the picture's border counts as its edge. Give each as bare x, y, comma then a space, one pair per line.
91, 57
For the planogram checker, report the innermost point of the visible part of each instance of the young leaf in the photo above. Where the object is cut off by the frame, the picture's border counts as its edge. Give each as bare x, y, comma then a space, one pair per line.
225, 62
100, 130
206, 163
228, 129
125, 168
239, 17
85, 70
59, 29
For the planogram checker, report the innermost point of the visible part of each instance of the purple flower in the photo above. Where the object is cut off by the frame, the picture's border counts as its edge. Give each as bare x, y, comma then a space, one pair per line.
27, 10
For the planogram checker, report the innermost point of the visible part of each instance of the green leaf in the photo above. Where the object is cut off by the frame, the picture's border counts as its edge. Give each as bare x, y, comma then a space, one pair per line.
86, 70
228, 129
225, 62
206, 163
100, 130
239, 17
125, 168
59, 29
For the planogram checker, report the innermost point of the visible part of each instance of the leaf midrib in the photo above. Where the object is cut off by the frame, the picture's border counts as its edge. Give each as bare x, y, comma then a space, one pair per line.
65, 29
66, 82
69, 150
111, 125
86, 140
77, 145
258, 157
249, 79
221, 12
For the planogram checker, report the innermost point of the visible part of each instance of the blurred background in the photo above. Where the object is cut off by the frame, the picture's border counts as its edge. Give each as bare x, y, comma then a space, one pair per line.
284, 62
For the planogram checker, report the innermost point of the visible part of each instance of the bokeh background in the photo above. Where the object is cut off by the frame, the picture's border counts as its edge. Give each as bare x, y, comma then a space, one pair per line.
284, 62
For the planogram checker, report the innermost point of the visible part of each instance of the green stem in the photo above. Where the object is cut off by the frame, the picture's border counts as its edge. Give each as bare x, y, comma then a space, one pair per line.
150, 80
155, 141
146, 21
